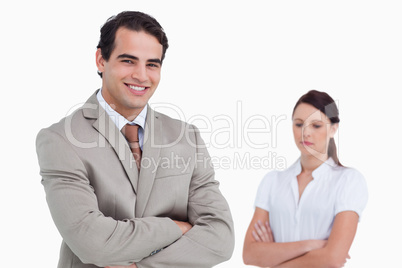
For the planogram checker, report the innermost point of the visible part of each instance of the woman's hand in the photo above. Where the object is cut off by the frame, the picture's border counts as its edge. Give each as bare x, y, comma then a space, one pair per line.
268, 253
262, 232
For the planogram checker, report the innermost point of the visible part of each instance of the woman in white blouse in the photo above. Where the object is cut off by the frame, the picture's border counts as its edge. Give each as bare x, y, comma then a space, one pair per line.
307, 215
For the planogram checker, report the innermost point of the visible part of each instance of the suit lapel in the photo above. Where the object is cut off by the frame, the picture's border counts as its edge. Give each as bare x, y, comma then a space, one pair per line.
106, 127
150, 159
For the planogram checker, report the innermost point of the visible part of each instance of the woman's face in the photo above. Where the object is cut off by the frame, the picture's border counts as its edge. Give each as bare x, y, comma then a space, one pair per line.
312, 131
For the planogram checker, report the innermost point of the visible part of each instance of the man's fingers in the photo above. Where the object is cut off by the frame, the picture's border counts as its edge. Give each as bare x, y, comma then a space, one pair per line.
121, 266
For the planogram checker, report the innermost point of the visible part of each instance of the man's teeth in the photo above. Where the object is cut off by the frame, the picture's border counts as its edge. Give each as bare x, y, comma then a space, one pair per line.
137, 88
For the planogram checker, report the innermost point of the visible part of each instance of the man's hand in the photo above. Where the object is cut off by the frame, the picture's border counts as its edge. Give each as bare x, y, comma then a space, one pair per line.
121, 266
184, 226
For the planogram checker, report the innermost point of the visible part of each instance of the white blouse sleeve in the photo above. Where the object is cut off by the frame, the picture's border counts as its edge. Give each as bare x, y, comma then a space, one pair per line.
352, 194
263, 193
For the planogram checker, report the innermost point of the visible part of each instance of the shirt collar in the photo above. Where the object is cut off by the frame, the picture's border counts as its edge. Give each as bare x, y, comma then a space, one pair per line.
119, 120
324, 168
318, 172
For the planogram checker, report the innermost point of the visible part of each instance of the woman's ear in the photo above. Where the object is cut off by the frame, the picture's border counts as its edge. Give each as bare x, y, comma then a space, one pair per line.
334, 128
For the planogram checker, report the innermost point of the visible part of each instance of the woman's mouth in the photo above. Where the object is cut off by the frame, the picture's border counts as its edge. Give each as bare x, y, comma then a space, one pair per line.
306, 143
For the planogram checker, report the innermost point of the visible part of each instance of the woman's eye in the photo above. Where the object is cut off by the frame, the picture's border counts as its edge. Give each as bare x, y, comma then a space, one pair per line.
298, 125
316, 126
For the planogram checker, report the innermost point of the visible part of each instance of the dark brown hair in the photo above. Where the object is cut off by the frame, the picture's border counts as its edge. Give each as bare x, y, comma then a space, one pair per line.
323, 102
132, 20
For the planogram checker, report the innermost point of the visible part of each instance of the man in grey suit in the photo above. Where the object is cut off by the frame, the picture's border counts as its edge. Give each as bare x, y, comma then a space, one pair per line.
165, 212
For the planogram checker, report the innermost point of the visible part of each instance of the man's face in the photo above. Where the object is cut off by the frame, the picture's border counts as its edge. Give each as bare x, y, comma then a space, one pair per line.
132, 73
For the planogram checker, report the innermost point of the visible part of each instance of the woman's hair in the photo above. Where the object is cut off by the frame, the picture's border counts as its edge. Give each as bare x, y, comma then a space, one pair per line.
132, 20
323, 102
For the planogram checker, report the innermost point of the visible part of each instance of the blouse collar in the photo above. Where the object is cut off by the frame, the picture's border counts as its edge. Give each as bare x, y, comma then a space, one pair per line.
318, 172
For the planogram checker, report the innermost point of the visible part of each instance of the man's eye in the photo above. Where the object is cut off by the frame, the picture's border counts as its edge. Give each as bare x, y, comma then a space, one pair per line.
127, 61
152, 65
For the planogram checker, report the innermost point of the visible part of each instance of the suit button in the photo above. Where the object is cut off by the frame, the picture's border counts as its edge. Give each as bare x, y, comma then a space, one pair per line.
154, 252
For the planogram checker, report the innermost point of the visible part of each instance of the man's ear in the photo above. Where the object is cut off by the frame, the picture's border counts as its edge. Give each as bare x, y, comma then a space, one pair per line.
100, 61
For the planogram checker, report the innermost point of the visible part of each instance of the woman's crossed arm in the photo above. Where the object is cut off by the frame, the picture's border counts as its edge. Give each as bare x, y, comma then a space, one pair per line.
260, 249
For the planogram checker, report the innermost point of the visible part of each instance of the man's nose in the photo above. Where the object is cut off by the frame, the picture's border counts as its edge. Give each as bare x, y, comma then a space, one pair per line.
140, 73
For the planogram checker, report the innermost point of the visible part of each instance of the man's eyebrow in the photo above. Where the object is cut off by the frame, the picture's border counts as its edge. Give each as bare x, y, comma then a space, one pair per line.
155, 61
128, 56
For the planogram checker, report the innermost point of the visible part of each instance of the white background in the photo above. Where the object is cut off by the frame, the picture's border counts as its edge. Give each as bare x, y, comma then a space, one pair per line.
256, 57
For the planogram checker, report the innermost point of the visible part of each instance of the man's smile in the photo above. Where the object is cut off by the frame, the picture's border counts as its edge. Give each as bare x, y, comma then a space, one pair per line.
136, 89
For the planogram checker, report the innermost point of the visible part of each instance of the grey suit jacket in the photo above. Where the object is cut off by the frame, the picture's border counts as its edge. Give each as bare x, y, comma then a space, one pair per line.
108, 214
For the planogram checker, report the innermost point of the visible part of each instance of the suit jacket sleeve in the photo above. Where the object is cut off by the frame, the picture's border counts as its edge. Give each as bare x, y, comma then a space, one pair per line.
211, 239
92, 236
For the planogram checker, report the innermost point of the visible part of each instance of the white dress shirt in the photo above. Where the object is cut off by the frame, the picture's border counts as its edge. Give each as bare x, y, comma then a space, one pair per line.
121, 121
333, 189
